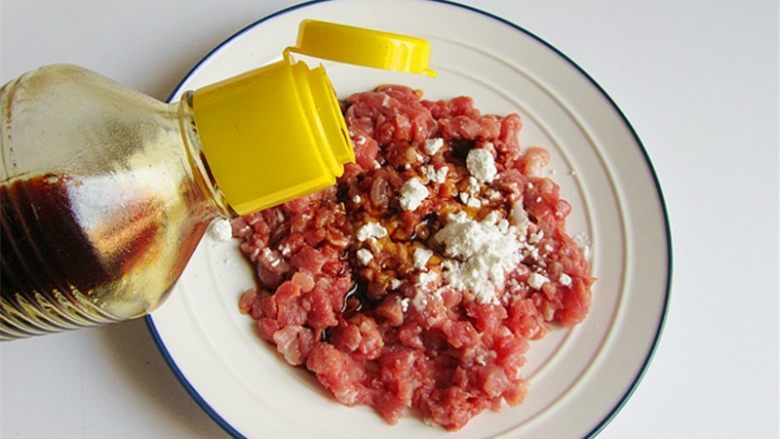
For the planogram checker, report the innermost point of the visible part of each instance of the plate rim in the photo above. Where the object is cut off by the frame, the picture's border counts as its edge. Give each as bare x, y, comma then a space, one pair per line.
230, 430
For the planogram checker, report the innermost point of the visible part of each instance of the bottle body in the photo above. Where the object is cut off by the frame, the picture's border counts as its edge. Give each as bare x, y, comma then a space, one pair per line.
104, 199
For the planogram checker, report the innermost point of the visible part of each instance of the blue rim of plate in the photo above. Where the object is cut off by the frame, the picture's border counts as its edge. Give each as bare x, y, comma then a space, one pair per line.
634, 384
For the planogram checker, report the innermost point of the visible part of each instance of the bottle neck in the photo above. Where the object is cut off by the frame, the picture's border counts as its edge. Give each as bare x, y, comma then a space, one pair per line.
201, 173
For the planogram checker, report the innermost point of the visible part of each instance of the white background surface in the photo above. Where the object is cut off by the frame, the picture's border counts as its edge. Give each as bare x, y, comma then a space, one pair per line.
698, 81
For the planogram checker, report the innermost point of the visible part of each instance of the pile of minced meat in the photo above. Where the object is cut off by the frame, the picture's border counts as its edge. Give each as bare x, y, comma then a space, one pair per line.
419, 280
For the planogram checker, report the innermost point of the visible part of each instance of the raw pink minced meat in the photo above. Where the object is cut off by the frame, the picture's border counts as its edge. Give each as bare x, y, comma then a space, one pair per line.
349, 303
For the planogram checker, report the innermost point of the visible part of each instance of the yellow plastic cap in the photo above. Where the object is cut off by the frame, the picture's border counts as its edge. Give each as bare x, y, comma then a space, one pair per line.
277, 133
272, 135
363, 47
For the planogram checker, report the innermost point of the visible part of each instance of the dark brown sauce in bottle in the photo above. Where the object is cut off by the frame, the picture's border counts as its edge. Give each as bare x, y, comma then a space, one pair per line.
50, 265
43, 246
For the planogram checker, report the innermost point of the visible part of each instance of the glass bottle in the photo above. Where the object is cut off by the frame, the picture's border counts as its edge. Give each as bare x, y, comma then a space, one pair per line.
104, 198
105, 194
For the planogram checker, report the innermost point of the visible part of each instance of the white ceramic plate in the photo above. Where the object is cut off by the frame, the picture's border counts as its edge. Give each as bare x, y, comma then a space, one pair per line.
580, 377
